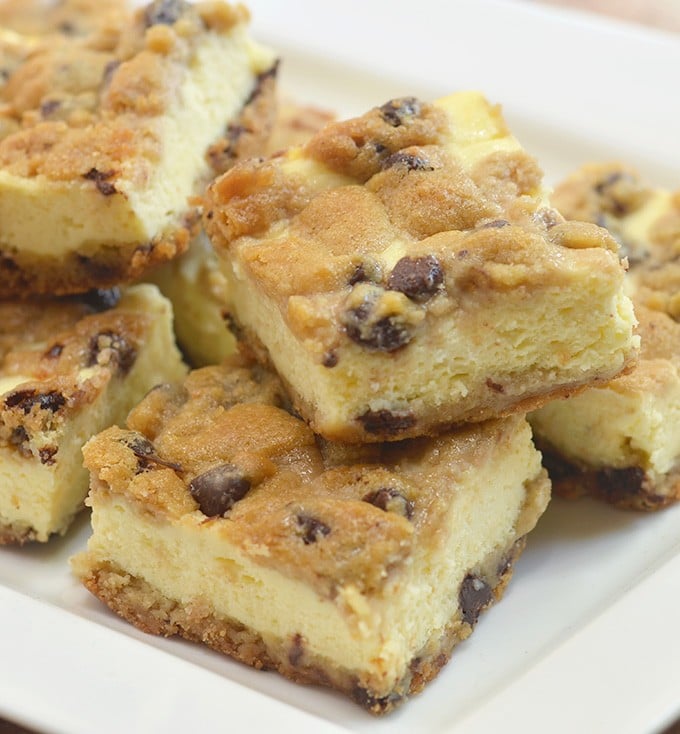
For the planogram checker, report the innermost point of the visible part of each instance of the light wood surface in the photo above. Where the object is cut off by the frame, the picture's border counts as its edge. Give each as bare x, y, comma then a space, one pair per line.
662, 14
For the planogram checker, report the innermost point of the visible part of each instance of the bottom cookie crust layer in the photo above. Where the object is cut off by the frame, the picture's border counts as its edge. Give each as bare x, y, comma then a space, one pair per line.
146, 608
629, 488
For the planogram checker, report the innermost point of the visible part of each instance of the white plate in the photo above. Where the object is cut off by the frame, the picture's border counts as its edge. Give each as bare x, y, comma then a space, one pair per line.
587, 638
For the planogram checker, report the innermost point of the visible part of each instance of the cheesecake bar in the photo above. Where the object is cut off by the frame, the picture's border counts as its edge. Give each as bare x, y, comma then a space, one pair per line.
193, 281
69, 368
219, 516
403, 271
106, 136
620, 442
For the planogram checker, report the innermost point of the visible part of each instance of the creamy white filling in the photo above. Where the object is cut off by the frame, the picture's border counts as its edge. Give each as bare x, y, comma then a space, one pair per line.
619, 425
45, 497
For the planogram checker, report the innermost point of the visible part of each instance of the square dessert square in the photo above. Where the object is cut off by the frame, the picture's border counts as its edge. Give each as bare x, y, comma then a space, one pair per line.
620, 442
403, 271
68, 369
219, 516
106, 131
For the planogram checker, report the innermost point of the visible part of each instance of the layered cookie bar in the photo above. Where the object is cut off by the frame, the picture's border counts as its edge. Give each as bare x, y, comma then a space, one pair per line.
219, 516
621, 442
193, 281
403, 271
106, 136
68, 369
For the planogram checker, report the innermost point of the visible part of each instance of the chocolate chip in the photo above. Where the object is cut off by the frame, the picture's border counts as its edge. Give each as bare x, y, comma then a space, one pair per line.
372, 703
262, 77
164, 12
385, 335
18, 438
145, 452
419, 278
219, 489
397, 111
108, 348
618, 193
474, 596
549, 218
495, 224
620, 483
408, 161
109, 71
233, 325
102, 299
47, 455
100, 179
26, 399
54, 351
494, 386
297, 650
67, 28
49, 106
390, 500
310, 529
359, 275
98, 270
330, 359
387, 422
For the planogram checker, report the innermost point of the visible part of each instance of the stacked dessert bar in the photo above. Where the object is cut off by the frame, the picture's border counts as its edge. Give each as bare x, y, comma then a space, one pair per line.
340, 502
620, 442
108, 126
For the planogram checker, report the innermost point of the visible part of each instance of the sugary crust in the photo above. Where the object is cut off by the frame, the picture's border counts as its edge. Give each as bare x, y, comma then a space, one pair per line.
146, 608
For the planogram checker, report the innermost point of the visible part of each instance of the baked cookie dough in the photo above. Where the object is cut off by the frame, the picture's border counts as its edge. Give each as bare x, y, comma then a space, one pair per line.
403, 271
106, 136
68, 369
620, 442
219, 516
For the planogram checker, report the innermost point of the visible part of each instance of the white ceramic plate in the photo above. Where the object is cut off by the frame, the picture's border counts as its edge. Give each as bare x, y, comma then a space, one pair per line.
587, 638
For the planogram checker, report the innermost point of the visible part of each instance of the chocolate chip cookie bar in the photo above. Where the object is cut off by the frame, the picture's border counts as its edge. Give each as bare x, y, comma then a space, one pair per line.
403, 271
219, 516
68, 369
621, 442
193, 281
107, 135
